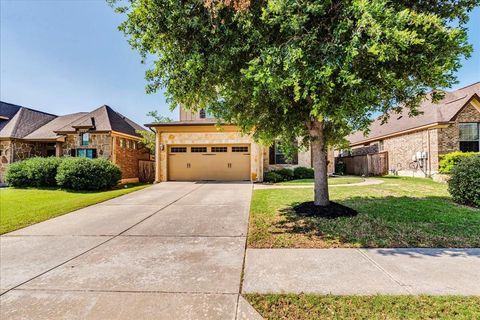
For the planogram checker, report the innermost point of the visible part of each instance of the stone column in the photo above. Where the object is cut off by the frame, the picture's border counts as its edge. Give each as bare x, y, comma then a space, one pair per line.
58, 149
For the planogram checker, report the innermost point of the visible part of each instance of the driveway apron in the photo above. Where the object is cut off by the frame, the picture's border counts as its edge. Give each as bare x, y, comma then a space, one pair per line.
171, 251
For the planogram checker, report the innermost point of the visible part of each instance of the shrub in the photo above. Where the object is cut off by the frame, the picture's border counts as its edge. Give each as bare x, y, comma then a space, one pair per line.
448, 161
303, 173
273, 177
87, 174
17, 175
33, 172
464, 184
286, 173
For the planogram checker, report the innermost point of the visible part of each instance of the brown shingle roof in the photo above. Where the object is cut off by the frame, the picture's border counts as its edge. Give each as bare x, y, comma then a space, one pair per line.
46, 132
21, 121
432, 113
103, 119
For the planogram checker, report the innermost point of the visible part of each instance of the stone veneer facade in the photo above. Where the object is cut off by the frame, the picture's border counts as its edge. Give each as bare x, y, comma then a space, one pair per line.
259, 161
208, 135
13, 150
125, 157
437, 141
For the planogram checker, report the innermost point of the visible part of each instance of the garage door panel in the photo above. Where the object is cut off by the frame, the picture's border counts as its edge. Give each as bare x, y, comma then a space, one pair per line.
219, 162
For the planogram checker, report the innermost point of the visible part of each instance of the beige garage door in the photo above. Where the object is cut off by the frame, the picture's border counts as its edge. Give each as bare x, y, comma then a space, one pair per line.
208, 162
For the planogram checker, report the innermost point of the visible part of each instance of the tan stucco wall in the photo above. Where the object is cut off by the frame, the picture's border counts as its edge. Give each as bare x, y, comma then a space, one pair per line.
205, 135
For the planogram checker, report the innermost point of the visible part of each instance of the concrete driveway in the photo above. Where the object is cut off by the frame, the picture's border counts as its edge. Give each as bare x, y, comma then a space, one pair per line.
171, 251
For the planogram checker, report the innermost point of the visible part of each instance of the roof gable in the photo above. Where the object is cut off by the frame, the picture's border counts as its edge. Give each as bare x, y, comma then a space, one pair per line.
103, 119
431, 113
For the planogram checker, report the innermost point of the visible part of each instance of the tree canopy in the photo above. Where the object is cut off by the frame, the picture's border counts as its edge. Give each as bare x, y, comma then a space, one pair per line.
285, 69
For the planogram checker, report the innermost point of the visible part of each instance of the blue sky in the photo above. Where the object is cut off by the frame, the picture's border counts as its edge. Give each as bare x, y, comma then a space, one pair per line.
63, 56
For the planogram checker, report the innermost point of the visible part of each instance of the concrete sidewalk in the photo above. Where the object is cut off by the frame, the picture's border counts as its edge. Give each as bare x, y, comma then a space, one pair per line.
171, 251
363, 271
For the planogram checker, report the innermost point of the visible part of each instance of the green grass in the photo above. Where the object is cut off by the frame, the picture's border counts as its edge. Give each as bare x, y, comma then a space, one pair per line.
401, 212
313, 307
331, 181
22, 207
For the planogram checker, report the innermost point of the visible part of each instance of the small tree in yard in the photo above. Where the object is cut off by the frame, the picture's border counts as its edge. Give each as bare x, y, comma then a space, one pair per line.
308, 72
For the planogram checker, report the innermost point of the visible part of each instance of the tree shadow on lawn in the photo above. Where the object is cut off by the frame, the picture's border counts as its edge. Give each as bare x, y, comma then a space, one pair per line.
389, 222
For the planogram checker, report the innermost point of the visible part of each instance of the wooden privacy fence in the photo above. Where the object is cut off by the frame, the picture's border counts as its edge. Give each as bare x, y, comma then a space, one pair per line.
375, 164
146, 171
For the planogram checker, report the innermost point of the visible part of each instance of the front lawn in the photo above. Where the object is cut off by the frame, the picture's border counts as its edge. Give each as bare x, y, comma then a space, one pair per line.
313, 307
22, 207
331, 181
401, 212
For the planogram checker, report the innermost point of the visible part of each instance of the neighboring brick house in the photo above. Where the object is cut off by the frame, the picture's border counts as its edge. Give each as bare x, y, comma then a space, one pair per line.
415, 144
198, 148
102, 133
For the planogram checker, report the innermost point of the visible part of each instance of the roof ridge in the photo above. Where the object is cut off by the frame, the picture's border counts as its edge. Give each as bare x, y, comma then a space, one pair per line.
15, 124
107, 109
35, 110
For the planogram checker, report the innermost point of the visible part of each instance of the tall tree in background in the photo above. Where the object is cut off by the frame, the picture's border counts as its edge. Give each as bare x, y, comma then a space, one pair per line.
306, 72
148, 137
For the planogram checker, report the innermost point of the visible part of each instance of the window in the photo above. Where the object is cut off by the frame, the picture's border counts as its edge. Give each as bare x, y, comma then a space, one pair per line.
134, 145
198, 149
84, 138
202, 114
219, 149
122, 143
469, 136
239, 149
178, 149
278, 157
87, 153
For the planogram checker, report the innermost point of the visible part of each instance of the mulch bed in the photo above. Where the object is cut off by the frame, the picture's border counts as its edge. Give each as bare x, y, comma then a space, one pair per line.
332, 211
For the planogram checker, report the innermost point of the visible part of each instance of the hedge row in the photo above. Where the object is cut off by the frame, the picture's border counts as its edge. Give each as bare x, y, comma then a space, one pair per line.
68, 173
286, 174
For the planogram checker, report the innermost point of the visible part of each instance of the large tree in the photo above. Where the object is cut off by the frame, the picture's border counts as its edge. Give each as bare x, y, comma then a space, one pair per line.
303, 71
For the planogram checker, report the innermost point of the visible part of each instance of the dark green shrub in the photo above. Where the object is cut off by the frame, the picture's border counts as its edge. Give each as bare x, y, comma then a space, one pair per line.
340, 168
464, 183
33, 172
286, 173
272, 177
87, 174
448, 161
43, 171
303, 173
17, 175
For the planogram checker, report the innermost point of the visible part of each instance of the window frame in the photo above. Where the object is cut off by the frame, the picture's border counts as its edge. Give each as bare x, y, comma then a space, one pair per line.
471, 142
178, 149
84, 142
277, 153
240, 149
200, 149
219, 149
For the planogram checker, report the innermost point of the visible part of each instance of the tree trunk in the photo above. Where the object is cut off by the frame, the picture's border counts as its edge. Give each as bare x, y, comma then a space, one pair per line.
319, 160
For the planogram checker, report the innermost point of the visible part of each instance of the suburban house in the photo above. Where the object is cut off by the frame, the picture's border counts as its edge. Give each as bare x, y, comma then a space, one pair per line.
414, 145
102, 133
197, 147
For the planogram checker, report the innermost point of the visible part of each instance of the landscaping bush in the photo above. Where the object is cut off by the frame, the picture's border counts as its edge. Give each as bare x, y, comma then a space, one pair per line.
464, 184
272, 177
33, 172
17, 175
303, 173
448, 161
87, 174
286, 173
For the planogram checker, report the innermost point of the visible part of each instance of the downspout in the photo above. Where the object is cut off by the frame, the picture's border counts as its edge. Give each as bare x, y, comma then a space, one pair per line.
157, 156
429, 154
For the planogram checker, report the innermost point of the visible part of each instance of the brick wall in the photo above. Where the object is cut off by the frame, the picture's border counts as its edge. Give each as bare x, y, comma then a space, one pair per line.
436, 141
127, 154
448, 138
